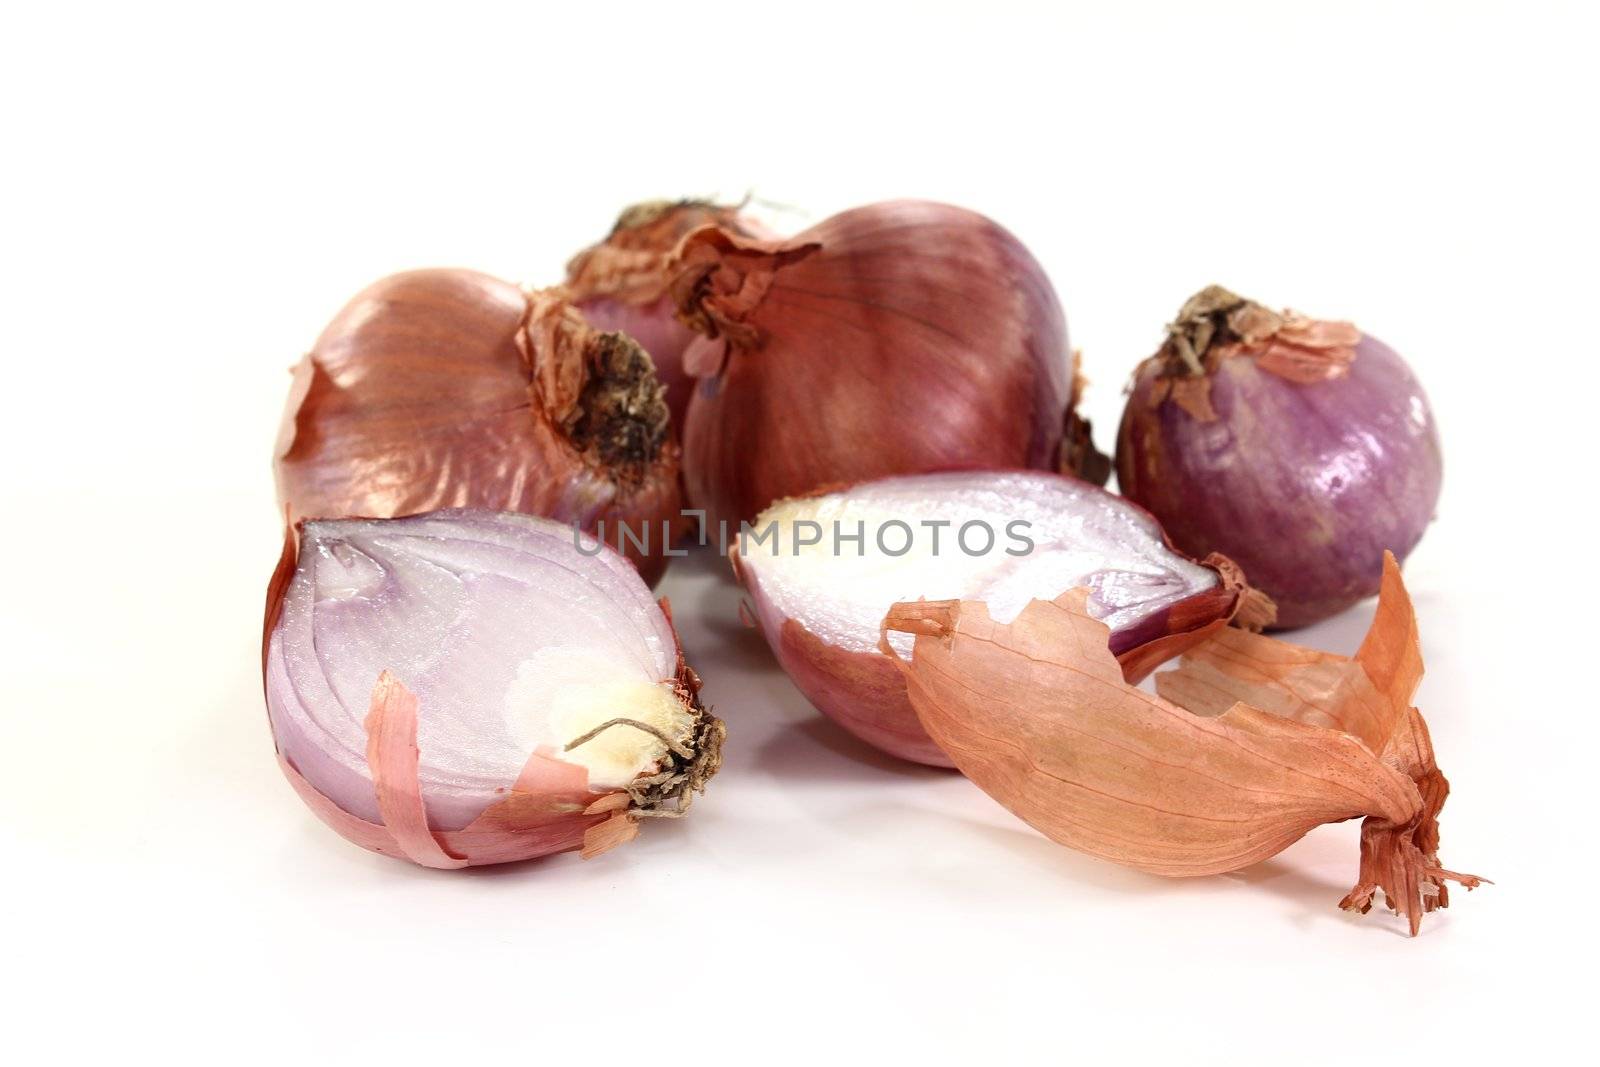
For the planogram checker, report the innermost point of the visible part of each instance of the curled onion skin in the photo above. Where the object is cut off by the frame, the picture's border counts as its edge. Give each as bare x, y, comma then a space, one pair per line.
401, 771
449, 388
1303, 450
891, 339
1251, 742
858, 687
620, 283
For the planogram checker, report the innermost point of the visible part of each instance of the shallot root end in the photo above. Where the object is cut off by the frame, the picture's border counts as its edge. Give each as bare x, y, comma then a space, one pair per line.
669, 793
1412, 881
1403, 860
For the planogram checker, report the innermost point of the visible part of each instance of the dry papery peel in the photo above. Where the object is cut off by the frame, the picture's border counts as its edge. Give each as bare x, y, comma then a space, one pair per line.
1252, 742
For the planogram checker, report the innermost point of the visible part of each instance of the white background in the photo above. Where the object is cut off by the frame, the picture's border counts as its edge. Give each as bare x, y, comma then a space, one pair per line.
189, 194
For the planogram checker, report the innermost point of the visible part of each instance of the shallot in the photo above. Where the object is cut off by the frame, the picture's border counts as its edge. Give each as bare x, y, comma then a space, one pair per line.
822, 570
1303, 449
1251, 744
899, 338
469, 687
620, 283
450, 388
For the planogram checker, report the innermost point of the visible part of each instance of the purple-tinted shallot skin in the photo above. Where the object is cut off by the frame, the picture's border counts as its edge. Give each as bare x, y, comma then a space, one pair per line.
1302, 451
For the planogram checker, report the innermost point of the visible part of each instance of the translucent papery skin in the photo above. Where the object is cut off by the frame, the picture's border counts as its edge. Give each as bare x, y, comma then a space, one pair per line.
1304, 485
456, 605
821, 613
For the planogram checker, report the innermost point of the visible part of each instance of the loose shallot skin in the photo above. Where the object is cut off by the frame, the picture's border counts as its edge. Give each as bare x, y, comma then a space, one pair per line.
1304, 483
620, 283
436, 388
405, 775
891, 339
1251, 742
862, 690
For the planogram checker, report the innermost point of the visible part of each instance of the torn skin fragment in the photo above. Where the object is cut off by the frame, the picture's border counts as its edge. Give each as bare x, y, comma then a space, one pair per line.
1271, 741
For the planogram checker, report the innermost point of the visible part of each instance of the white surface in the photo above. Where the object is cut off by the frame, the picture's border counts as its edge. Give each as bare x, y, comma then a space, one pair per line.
188, 195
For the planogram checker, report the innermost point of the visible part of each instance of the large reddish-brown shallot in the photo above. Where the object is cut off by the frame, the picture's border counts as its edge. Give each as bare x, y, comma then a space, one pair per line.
1302, 448
823, 569
1252, 743
620, 283
471, 687
897, 338
450, 388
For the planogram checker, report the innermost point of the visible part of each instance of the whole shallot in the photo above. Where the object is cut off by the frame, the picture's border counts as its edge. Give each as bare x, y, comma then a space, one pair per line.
897, 338
449, 388
1300, 448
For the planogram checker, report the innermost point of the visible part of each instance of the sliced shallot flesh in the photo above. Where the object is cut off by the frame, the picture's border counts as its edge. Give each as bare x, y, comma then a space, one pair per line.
1002, 537
539, 689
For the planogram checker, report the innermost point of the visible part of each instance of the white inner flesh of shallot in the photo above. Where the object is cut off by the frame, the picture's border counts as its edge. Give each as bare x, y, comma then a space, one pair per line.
513, 641
1081, 536
559, 695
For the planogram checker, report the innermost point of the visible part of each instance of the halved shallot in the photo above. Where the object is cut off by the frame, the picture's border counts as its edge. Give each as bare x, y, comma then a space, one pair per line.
1252, 743
470, 687
1003, 537
450, 388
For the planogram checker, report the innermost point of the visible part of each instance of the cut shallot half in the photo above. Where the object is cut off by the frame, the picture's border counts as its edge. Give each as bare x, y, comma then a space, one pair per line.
1251, 744
469, 687
1002, 537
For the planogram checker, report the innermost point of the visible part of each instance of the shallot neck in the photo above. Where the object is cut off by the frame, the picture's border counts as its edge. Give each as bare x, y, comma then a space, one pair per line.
622, 409
1216, 323
1211, 318
599, 389
684, 215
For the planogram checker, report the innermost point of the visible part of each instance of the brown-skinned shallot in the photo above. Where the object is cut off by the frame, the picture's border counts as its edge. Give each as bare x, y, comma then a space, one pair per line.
897, 338
449, 388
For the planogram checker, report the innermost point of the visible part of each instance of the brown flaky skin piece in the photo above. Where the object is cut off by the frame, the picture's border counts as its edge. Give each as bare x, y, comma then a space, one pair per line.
1037, 713
449, 388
